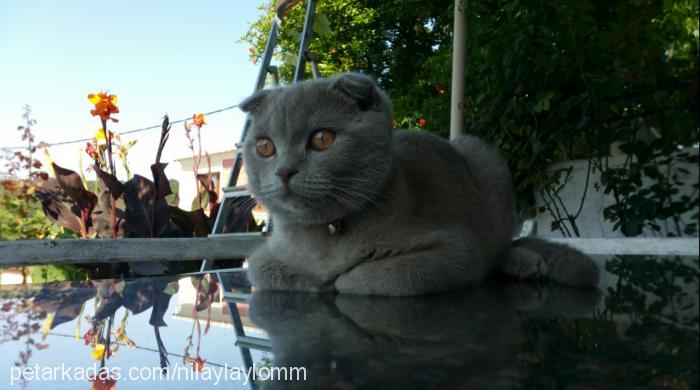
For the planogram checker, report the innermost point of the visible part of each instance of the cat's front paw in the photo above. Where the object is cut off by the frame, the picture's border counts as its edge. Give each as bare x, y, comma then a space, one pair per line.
275, 275
353, 282
524, 264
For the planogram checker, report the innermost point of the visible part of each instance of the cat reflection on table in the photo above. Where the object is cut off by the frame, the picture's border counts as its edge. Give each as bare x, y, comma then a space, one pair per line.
362, 209
467, 339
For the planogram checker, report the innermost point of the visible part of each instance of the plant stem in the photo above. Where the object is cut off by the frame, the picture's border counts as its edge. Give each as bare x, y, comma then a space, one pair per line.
113, 201
109, 147
210, 184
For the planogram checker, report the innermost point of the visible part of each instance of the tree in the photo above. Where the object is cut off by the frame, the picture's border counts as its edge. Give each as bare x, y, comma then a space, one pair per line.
546, 80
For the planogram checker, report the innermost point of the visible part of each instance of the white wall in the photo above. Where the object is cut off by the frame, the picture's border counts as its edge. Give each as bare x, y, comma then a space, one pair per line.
185, 176
591, 222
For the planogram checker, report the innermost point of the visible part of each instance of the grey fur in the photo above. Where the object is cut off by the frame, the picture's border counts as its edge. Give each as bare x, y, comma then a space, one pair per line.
417, 214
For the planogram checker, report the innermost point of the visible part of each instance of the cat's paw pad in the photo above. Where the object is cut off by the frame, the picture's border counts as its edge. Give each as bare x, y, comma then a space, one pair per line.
524, 264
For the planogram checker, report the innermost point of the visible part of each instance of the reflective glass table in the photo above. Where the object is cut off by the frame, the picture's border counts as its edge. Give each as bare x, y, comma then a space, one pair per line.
213, 330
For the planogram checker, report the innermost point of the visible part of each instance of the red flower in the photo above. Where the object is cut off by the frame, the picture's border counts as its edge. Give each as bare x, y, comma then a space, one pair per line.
87, 337
90, 150
198, 120
421, 122
440, 90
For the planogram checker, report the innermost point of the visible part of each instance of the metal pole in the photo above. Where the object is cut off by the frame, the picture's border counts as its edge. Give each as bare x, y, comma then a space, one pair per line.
459, 55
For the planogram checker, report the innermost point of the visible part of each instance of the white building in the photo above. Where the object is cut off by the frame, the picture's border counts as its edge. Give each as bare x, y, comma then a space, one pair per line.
221, 166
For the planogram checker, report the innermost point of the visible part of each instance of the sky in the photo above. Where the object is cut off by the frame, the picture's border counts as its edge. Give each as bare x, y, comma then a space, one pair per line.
158, 57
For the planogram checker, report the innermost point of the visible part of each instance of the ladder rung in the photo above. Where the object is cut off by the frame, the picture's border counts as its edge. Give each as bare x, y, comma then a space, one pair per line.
234, 188
236, 297
254, 342
244, 236
236, 194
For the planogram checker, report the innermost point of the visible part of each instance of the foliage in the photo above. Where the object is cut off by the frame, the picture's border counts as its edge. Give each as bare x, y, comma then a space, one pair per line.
54, 273
207, 292
546, 81
30, 315
24, 219
20, 213
648, 320
647, 190
21, 216
18, 321
108, 207
140, 207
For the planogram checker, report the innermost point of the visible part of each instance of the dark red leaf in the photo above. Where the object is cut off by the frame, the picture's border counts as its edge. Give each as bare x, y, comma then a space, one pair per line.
59, 207
209, 185
102, 216
162, 184
201, 223
72, 184
115, 187
146, 215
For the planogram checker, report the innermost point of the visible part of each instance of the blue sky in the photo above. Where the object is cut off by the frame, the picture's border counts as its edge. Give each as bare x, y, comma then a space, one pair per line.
174, 57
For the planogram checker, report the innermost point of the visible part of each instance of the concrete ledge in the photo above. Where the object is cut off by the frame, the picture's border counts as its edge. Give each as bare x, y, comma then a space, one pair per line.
237, 246
35, 252
633, 246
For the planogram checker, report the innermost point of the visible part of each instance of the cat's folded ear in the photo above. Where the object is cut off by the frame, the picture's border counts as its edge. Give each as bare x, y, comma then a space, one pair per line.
359, 87
255, 102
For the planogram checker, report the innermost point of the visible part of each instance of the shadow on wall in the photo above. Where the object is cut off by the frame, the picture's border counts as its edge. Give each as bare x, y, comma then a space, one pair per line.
591, 222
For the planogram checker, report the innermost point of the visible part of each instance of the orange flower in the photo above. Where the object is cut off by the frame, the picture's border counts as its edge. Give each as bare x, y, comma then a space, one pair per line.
198, 120
105, 105
107, 384
197, 363
103, 381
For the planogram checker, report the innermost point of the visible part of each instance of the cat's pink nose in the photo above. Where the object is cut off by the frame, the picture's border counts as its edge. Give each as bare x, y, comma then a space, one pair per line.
286, 174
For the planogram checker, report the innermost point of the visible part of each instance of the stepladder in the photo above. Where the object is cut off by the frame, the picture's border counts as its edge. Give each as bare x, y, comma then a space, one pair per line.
239, 214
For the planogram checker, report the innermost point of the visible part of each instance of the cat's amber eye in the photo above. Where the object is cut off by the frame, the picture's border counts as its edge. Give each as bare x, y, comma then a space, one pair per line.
322, 139
265, 147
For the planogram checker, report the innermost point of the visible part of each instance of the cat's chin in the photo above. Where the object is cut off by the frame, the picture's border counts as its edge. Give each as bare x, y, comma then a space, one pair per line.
309, 217
303, 214
297, 208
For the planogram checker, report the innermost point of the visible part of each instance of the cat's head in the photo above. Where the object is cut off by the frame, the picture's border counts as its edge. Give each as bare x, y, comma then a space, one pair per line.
319, 150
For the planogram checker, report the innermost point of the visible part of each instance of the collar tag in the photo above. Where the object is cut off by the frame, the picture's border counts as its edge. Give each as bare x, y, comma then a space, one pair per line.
334, 227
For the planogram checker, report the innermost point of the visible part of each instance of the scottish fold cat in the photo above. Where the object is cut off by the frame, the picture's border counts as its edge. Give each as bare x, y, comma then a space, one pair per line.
363, 209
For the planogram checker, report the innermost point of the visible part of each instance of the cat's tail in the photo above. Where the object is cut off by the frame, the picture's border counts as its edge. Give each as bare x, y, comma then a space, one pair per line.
534, 258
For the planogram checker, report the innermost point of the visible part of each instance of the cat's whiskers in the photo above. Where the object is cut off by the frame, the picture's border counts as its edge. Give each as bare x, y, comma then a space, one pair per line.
342, 198
319, 188
353, 180
352, 201
361, 192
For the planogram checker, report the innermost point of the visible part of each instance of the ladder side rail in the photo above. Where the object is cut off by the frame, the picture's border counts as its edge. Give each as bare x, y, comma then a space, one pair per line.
305, 39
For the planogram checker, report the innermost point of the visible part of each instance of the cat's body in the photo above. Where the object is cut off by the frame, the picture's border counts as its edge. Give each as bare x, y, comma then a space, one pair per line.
376, 211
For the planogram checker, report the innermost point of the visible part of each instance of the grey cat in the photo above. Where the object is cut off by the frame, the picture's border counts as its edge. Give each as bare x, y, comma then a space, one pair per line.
363, 209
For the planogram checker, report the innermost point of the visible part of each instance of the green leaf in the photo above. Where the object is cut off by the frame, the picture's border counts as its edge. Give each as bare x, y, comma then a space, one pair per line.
322, 26
172, 288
